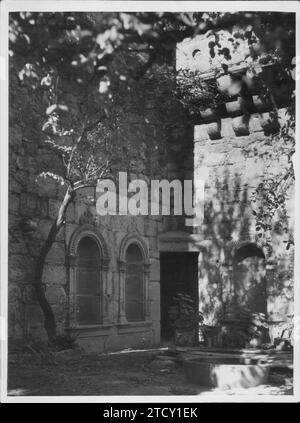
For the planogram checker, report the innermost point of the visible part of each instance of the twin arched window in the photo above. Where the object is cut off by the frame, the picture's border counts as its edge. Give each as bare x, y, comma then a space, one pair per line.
88, 253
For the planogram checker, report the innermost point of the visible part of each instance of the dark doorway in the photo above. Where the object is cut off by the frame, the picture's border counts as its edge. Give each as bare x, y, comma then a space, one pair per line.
178, 275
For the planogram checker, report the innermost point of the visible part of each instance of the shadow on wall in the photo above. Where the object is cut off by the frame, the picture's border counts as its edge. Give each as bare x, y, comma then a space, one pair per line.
226, 220
242, 284
232, 269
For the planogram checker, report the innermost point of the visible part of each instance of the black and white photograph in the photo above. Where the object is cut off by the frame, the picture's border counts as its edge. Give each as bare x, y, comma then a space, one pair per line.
149, 202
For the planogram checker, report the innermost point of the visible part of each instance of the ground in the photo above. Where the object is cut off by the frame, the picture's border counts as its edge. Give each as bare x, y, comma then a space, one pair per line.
73, 372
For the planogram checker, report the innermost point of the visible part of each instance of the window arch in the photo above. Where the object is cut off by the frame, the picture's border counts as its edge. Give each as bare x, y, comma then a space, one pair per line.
134, 280
88, 277
248, 250
249, 276
88, 284
134, 284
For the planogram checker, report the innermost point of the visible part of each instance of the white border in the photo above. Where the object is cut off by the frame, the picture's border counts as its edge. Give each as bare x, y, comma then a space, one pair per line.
40, 5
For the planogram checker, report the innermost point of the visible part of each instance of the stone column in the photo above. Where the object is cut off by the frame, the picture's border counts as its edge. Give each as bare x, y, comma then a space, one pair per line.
105, 298
122, 275
146, 295
71, 300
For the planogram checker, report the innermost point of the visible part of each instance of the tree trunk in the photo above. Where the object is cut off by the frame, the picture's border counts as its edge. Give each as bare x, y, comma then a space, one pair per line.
49, 319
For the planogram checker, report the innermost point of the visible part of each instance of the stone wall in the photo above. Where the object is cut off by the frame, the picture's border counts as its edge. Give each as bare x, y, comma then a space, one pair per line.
219, 149
231, 175
33, 207
226, 153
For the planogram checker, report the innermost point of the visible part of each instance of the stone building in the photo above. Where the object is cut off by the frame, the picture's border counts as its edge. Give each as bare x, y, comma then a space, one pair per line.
111, 279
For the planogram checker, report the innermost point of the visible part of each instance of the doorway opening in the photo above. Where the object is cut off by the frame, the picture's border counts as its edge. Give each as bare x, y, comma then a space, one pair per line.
178, 275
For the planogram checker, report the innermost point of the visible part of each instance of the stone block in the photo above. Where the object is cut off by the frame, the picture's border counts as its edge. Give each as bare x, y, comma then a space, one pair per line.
200, 133
154, 270
57, 253
254, 168
155, 310
20, 269
27, 163
15, 322
236, 107
236, 155
54, 274
53, 207
154, 291
245, 141
28, 294
14, 203
214, 130
213, 159
153, 245
156, 331
121, 223
70, 229
34, 316
30, 148
70, 214
15, 135
154, 253
150, 227
30, 182
14, 293
14, 186
254, 124
226, 128
240, 125
43, 207
80, 208
138, 224
56, 295
209, 114
29, 205
46, 187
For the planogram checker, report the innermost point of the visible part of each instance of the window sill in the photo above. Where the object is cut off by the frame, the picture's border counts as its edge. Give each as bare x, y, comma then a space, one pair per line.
133, 326
90, 327
139, 323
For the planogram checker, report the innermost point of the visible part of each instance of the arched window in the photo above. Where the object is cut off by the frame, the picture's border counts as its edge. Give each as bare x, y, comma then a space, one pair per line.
249, 272
88, 283
134, 284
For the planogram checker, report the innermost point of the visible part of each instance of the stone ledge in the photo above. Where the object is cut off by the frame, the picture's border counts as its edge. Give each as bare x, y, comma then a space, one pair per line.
132, 327
100, 326
102, 329
238, 126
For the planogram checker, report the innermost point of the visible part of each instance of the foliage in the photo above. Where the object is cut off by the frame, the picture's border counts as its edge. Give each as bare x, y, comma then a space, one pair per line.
55, 53
244, 328
269, 198
195, 94
183, 313
82, 47
65, 342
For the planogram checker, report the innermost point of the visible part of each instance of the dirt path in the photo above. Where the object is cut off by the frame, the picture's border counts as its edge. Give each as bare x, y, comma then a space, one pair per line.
130, 373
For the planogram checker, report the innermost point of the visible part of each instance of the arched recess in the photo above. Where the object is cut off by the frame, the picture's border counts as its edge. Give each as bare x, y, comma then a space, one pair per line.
249, 277
134, 269
89, 260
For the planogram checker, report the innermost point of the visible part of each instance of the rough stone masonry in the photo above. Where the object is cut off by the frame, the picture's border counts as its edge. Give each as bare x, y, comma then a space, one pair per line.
214, 149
